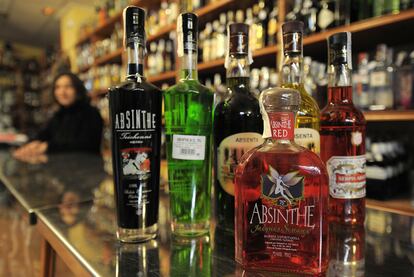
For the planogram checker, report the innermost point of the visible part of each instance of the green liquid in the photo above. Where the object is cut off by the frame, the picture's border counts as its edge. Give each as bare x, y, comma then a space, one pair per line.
188, 111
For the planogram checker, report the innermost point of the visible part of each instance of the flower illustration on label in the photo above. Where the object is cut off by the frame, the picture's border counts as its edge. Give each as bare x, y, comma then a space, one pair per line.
285, 189
356, 138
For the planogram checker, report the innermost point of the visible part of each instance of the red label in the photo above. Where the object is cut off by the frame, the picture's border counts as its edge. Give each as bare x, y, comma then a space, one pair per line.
282, 125
350, 178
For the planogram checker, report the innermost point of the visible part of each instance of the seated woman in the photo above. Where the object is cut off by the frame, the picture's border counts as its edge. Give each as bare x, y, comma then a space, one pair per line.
75, 127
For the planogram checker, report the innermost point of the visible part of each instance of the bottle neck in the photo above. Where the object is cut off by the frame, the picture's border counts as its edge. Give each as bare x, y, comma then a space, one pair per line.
292, 70
278, 125
339, 84
238, 73
188, 66
135, 56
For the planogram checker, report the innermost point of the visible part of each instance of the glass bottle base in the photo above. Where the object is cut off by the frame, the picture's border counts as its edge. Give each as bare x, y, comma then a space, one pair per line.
190, 229
137, 235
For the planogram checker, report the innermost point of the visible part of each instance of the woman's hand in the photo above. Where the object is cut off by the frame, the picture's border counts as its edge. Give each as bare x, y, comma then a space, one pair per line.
34, 148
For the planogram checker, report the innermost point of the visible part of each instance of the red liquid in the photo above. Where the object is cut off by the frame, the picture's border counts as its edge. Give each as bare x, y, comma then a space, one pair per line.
291, 246
339, 121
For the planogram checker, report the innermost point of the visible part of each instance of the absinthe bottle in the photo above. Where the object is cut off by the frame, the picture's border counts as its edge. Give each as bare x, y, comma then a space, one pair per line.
237, 124
135, 114
307, 119
188, 123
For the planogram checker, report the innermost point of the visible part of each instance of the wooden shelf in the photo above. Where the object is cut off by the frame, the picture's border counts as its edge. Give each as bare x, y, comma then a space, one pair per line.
111, 57
366, 34
201, 12
399, 206
389, 115
162, 77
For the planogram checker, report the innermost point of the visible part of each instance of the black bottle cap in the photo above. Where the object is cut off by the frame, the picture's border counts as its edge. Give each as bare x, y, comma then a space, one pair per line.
292, 37
294, 26
339, 48
238, 38
134, 25
187, 31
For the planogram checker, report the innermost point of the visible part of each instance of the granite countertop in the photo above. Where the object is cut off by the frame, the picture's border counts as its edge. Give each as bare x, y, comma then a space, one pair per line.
73, 198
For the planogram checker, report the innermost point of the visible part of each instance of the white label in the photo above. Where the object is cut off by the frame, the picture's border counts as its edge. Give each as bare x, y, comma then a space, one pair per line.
378, 79
308, 138
347, 176
189, 147
229, 152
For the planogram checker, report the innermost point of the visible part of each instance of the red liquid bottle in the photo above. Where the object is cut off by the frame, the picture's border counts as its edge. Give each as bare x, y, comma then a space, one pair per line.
281, 196
343, 137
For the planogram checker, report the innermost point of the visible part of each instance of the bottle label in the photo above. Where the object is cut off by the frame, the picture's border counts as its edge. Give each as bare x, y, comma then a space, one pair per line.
308, 138
187, 147
229, 152
282, 125
378, 79
135, 137
282, 216
347, 176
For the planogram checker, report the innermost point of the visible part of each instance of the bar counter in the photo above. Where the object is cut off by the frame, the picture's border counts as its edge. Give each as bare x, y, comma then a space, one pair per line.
70, 201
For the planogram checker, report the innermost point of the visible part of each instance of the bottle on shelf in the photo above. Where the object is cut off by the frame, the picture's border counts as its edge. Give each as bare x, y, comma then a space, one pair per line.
381, 81
135, 112
404, 81
309, 16
343, 137
291, 75
281, 195
237, 124
326, 15
273, 25
188, 128
362, 97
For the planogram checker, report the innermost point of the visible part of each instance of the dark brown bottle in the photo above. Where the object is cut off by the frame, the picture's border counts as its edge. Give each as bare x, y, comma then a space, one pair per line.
238, 124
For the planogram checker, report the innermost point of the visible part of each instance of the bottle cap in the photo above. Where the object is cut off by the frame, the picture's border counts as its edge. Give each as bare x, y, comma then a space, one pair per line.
292, 37
187, 31
294, 26
238, 38
339, 48
134, 26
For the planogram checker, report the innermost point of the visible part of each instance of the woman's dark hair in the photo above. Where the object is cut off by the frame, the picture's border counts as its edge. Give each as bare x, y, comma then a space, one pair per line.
81, 92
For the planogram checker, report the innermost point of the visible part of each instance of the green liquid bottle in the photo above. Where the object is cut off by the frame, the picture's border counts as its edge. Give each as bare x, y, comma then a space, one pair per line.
188, 124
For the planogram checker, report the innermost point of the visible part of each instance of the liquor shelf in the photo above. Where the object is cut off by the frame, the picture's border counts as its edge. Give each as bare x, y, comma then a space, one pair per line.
115, 56
391, 115
400, 206
170, 75
89, 247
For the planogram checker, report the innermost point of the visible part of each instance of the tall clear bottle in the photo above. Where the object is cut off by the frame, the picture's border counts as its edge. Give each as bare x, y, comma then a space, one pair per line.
135, 113
307, 119
188, 127
237, 124
343, 137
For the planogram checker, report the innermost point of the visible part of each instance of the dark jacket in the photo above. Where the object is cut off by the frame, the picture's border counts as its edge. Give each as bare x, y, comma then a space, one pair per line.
77, 128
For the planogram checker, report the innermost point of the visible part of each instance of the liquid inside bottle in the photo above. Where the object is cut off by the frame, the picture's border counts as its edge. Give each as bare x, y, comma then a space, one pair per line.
281, 196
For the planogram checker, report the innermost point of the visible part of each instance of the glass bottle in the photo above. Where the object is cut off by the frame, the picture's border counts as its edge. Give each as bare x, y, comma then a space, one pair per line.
188, 127
237, 124
135, 110
307, 120
380, 81
281, 196
362, 83
273, 25
343, 137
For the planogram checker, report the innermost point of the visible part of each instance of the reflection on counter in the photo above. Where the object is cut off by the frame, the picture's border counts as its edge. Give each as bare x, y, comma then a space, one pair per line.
142, 259
190, 256
346, 251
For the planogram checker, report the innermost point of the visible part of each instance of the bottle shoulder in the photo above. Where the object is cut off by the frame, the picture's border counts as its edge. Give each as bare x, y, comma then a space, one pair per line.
189, 86
132, 85
308, 105
287, 158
